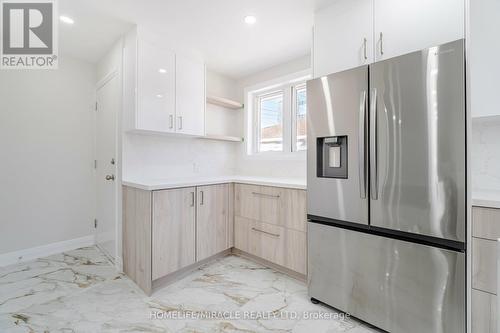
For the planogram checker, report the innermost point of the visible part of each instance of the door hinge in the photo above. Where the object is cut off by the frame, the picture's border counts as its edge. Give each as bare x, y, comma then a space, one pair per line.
95, 164
95, 223
96, 106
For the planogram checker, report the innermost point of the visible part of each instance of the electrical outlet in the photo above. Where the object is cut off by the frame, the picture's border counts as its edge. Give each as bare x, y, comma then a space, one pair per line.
196, 168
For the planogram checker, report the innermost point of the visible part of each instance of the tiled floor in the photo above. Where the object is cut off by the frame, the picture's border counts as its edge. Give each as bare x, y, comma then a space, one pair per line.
79, 291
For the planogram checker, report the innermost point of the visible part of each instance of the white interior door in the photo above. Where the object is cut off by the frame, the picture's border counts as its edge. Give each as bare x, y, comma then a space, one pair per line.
106, 165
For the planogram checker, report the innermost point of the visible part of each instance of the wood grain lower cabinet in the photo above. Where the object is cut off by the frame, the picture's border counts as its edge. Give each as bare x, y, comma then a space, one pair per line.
137, 236
173, 234
484, 312
485, 232
484, 265
273, 205
276, 244
168, 230
214, 232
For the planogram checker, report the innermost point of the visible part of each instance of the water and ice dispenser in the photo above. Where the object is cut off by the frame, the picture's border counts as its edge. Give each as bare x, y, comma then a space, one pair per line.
332, 157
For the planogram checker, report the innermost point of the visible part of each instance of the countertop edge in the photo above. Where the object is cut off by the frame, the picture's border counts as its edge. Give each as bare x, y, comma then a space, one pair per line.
201, 182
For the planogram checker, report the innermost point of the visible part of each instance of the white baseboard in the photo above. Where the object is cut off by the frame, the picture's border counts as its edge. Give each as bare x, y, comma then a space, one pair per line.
45, 250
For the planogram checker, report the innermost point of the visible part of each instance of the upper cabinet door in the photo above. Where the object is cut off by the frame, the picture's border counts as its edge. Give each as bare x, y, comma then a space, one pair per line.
190, 96
405, 26
343, 36
155, 87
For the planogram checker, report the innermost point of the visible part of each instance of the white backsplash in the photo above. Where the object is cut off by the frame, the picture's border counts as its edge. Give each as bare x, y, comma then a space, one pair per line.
485, 153
166, 157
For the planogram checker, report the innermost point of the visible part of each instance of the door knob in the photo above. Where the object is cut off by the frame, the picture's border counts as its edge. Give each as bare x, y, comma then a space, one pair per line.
110, 177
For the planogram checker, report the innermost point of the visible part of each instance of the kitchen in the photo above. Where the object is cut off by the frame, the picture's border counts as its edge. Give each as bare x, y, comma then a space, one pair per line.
325, 166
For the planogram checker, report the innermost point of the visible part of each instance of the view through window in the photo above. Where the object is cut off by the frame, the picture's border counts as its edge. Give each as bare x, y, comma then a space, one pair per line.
280, 119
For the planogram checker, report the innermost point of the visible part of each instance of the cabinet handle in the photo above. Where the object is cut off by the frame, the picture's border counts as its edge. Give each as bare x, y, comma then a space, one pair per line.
364, 49
171, 121
381, 44
192, 199
265, 232
266, 195
201, 198
180, 122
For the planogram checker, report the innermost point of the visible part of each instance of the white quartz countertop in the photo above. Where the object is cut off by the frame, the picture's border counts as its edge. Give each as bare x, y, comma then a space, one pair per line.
163, 184
486, 198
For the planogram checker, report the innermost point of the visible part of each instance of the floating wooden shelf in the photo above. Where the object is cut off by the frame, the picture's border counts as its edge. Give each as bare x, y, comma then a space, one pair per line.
224, 102
182, 135
222, 138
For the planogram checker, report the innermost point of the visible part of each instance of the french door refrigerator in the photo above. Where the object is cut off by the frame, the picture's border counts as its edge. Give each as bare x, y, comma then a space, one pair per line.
387, 191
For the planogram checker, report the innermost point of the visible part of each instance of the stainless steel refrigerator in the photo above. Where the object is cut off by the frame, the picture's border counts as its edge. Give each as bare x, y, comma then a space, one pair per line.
386, 182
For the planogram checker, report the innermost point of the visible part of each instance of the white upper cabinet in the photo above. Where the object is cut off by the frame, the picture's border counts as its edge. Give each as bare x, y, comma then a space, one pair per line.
190, 96
155, 87
484, 67
411, 25
162, 92
343, 36
391, 28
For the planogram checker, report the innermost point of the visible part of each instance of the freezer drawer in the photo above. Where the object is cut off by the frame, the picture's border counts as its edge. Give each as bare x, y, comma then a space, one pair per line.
395, 285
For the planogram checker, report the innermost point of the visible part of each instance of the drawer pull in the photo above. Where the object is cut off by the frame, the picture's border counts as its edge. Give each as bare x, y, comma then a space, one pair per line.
266, 195
265, 232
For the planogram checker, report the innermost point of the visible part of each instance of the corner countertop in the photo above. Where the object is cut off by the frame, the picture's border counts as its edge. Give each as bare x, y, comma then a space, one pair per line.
486, 198
163, 184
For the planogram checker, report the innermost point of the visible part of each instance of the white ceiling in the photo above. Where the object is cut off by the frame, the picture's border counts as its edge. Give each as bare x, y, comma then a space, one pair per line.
212, 30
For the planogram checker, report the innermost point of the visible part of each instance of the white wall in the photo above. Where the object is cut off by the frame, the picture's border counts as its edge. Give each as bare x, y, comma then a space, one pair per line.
167, 157
485, 153
46, 144
290, 166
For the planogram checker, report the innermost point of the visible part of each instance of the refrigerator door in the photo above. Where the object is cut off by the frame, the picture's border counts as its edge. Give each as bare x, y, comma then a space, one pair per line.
417, 148
337, 149
398, 286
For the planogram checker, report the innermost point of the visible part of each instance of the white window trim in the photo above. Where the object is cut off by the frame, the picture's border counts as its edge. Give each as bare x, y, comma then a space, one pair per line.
251, 138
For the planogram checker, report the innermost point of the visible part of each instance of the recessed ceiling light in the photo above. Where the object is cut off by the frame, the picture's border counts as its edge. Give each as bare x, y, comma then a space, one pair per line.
250, 19
159, 96
162, 70
66, 19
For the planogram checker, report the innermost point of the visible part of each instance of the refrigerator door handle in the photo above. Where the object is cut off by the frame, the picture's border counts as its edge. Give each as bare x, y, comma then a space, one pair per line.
373, 146
361, 145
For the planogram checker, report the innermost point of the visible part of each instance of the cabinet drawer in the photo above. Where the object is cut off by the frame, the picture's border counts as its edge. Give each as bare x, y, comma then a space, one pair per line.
484, 312
246, 203
263, 240
484, 265
486, 223
296, 211
296, 251
268, 242
274, 205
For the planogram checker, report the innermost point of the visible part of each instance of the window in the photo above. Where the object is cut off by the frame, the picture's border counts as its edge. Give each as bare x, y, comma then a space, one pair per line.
271, 122
300, 118
279, 121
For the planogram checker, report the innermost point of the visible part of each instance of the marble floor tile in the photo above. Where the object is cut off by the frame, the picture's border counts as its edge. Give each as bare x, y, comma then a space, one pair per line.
80, 291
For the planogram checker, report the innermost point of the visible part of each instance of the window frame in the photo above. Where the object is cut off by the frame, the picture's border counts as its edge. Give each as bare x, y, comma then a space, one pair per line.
289, 120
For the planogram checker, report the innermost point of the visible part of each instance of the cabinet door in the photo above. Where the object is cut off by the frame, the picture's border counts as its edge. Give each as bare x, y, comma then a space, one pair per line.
173, 230
190, 96
155, 87
343, 36
484, 312
212, 221
413, 25
484, 23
